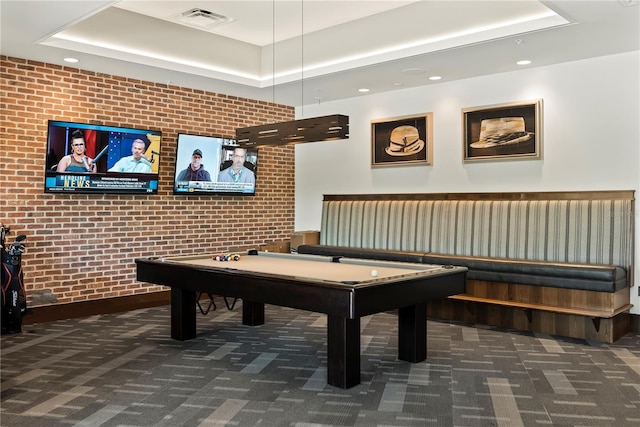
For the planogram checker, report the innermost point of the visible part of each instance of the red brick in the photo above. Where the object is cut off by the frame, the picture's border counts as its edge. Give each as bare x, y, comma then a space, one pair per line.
82, 247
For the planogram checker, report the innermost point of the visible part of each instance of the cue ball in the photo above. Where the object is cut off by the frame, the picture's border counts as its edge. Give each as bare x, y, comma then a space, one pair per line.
374, 273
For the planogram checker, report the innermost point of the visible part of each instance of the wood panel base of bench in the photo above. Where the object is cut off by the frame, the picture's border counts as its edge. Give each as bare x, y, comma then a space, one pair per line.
575, 301
599, 316
595, 314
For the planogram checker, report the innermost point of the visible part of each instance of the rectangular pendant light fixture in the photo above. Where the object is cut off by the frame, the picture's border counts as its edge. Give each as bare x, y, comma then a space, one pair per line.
325, 128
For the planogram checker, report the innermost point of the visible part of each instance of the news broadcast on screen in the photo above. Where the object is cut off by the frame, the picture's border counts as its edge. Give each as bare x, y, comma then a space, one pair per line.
214, 166
91, 158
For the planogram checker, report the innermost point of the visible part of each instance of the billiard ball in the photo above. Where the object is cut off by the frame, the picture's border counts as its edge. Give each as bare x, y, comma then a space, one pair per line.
374, 273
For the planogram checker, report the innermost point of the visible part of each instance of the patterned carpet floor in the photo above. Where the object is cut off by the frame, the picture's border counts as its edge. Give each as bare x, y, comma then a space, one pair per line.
124, 370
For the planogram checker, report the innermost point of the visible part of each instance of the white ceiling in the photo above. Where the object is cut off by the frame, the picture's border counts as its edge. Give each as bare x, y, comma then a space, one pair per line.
342, 45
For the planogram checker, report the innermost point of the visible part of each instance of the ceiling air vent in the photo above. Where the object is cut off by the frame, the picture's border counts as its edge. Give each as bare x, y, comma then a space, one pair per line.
201, 18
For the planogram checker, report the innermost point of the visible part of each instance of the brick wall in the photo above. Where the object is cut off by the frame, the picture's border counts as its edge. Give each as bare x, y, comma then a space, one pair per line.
81, 247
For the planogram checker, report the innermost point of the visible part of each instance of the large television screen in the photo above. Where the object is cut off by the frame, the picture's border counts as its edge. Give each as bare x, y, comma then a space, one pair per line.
213, 165
91, 158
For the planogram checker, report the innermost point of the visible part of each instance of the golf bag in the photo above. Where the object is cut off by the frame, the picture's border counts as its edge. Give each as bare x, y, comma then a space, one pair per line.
14, 297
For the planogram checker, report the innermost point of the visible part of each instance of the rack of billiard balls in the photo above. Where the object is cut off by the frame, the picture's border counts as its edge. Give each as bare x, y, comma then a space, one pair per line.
226, 257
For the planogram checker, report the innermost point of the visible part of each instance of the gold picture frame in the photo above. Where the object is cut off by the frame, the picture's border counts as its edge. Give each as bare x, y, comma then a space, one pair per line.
503, 131
402, 140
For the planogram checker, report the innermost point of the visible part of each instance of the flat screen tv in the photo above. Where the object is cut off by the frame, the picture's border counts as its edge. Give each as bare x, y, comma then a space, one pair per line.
89, 158
213, 165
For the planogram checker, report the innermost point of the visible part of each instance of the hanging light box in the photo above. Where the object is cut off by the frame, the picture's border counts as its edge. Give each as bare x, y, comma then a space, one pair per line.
324, 128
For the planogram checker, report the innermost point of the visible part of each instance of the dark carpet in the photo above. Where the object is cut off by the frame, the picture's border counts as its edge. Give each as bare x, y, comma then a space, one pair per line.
124, 370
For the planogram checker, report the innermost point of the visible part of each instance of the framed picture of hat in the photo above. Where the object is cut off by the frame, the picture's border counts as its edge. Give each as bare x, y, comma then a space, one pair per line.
505, 131
402, 140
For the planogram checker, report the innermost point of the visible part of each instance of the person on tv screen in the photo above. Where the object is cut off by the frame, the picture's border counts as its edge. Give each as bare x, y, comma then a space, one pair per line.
136, 163
77, 161
237, 172
195, 171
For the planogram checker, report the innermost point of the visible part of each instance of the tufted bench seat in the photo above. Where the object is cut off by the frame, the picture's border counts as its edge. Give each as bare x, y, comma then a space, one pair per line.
564, 259
589, 277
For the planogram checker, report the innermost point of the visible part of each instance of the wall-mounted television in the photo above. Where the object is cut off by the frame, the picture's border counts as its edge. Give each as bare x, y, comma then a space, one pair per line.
213, 165
89, 158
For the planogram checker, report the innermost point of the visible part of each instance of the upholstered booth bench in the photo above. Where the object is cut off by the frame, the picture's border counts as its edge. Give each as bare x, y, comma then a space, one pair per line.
553, 262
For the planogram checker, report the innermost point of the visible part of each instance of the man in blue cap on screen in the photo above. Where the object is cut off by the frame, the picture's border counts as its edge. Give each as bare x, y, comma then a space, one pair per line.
195, 171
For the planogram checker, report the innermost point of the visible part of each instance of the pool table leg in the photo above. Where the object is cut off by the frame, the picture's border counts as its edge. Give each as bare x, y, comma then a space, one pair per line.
183, 314
412, 333
252, 313
343, 351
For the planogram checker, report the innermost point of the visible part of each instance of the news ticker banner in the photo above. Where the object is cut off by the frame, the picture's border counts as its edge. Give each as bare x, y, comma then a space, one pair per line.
209, 187
99, 183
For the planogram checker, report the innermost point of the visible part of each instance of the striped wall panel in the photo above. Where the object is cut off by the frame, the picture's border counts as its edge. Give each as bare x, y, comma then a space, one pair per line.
580, 231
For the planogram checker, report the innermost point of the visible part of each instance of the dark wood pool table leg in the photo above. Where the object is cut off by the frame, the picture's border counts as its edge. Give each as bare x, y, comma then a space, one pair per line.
412, 333
343, 351
183, 314
252, 313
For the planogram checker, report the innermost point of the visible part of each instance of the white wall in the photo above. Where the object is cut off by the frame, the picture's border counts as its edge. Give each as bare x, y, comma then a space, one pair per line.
591, 128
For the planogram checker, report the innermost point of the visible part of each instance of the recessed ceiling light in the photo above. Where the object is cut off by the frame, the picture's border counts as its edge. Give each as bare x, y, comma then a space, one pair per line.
524, 62
414, 71
435, 78
398, 84
74, 60
363, 90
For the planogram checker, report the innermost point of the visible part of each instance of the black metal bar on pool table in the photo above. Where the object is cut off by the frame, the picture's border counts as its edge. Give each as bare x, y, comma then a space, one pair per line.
183, 314
343, 351
412, 333
252, 313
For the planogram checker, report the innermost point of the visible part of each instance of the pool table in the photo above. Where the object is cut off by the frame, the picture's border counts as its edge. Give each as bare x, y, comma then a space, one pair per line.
342, 288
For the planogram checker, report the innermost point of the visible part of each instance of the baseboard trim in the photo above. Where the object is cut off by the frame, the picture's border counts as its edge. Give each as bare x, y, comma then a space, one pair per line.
50, 313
